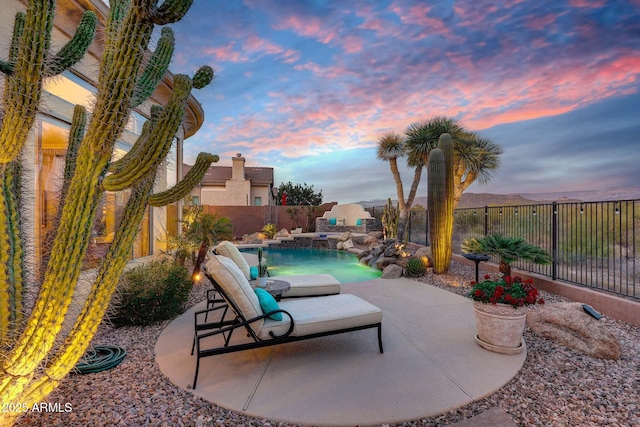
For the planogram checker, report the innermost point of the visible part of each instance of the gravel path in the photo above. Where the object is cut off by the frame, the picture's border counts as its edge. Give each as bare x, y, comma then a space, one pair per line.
556, 386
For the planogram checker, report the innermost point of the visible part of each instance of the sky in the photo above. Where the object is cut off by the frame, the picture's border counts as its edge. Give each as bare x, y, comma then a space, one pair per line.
307, 87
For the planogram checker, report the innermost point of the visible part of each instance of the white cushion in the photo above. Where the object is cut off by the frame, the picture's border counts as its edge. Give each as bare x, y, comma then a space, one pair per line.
322, 314
310, 285
227, 274
228, 249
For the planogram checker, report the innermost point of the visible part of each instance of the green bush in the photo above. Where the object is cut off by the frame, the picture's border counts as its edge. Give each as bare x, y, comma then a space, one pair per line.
415, 268
151, 293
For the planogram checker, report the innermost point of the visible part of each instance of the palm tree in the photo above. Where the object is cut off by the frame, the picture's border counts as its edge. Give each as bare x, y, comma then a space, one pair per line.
475, 157
207, 229
391, 146
508, 249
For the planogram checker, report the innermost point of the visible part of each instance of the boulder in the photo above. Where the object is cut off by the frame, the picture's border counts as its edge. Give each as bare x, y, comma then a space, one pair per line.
391, 251
363, 254
340, 246
283, 233
423, 251
365, 260
344, 237
377, 234
402, 262
348, 244
569, 325
370, 241
384, 261
392, 271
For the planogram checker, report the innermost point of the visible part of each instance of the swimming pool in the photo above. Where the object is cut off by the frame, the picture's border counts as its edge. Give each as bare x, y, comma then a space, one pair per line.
344, 266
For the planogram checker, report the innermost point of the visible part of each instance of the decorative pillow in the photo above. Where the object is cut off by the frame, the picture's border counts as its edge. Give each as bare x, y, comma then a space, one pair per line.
228, 249
358, 221
253, 272
268, 303
332, 221
227, 274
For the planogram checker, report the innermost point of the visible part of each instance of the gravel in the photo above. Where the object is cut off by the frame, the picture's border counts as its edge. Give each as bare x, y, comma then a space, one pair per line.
556, 386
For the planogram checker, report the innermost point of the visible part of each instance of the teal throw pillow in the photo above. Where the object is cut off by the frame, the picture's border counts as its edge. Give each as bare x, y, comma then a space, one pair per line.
358, 221
253, 272
268, 303
332, 221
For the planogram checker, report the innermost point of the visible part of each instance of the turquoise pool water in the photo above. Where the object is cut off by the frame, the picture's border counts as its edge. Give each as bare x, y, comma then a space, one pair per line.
344, 266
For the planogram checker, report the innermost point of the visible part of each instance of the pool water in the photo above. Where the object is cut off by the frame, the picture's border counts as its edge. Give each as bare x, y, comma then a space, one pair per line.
344, 266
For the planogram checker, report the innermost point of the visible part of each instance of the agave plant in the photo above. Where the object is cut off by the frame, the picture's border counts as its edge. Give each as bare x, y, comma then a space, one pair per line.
507, 249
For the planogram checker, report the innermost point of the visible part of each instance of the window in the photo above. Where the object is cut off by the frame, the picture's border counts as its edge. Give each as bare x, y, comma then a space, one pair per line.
257, 201
195, 200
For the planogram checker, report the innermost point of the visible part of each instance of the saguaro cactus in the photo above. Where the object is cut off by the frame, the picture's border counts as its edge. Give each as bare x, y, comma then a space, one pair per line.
390, 218
31, 363
440, 202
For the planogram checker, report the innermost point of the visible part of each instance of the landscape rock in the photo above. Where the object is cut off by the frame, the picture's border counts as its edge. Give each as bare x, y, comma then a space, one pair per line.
340, 246
402, 262
569, 325
376, 234
344, 237
383, 262
283, 233
392, 271
365, 259
391, 251
363, 254
370, 241
347, 244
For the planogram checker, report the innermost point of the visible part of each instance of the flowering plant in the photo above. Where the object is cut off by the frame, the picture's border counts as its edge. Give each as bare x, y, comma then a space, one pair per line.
505, 290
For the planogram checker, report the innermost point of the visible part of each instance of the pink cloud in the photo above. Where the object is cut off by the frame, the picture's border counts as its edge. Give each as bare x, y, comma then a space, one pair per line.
224, 53
592, 4
308, 26
352, 44
542, 22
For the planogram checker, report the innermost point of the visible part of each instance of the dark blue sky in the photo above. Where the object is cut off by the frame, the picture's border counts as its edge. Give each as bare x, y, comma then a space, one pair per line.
307, 87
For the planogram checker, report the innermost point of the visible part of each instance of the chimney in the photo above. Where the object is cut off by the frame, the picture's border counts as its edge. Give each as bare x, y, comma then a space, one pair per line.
237, 170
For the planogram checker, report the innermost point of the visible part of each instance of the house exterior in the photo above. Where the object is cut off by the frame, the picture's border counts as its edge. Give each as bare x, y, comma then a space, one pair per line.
235, 185
44, 152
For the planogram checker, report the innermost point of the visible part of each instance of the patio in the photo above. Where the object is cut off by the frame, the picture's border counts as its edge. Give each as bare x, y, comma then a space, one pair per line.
428, 367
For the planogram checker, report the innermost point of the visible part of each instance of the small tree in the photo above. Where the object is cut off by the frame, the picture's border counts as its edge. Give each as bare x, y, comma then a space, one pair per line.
208, 229
508, 249
299, 195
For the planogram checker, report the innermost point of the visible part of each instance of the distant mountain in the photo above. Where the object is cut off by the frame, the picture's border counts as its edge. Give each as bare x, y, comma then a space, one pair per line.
472, 200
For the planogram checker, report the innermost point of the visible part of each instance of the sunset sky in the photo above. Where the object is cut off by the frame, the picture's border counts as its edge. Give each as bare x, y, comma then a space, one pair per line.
307, 87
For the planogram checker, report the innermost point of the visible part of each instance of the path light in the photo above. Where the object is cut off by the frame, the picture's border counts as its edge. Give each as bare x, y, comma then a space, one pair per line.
581, 208
617, 209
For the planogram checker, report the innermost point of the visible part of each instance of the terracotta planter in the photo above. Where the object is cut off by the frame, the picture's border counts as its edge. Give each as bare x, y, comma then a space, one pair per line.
500, 327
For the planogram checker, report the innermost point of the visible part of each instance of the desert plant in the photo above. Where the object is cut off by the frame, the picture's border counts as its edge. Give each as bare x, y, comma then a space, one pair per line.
390, 218
206, 230
415, 268
507, 249
262, 264
440, 203
36, 353
270, 230
151, 293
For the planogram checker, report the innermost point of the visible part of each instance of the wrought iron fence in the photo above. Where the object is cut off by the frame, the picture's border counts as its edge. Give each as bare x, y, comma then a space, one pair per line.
594, 244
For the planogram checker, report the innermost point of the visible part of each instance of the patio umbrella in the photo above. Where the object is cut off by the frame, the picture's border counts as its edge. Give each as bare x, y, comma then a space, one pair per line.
284, 198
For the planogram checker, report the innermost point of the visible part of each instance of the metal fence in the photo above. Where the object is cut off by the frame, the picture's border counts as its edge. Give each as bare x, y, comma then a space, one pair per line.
593, 244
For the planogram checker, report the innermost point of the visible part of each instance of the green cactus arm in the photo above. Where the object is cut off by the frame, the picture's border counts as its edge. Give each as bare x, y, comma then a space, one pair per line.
117, 12
436, 200
74, 50
97, 302
140, 146
6, 273
155, 69
6, 67
203, 77
161, 137
23, 88
190, 180
76, 134
170, 11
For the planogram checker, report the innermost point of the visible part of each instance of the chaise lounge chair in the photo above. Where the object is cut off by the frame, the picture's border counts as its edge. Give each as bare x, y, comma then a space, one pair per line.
301, 285
299, 319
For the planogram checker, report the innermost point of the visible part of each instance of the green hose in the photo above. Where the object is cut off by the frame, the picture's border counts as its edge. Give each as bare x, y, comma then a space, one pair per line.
100, 358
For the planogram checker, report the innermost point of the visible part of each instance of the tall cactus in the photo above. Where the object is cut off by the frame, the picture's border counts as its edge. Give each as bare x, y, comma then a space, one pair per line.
440, 187
390, 219
31, 363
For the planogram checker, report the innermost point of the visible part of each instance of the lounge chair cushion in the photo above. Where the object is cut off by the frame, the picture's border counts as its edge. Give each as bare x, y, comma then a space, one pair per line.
253, 272
310, 285
268, 303
230, 250
227, 274
317, 315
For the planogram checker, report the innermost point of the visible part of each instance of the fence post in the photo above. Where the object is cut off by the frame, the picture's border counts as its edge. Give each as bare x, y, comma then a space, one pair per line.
486, 219
554, 240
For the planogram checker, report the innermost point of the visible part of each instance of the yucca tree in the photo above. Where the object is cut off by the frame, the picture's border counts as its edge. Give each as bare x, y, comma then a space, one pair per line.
391, 146
475, 158
507, 249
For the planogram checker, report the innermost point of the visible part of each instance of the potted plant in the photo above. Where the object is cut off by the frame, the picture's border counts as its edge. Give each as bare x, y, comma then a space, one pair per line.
262, 270
500, 310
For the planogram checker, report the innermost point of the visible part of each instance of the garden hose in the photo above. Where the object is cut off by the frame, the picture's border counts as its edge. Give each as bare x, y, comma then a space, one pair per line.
100, 358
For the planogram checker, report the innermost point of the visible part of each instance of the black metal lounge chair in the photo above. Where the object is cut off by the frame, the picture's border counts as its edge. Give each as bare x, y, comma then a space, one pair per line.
302, 318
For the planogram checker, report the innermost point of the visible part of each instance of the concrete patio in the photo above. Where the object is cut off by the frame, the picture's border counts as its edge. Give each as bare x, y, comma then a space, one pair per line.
431, 364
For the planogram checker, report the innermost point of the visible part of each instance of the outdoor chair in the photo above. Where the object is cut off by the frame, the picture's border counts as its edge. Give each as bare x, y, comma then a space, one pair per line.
304, 285
269, 323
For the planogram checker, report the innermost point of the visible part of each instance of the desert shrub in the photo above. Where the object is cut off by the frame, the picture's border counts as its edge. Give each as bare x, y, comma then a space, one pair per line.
270, 230
415, 268
151, 293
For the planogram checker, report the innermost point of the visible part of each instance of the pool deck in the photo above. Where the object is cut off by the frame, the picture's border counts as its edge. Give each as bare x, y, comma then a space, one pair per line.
431, 364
